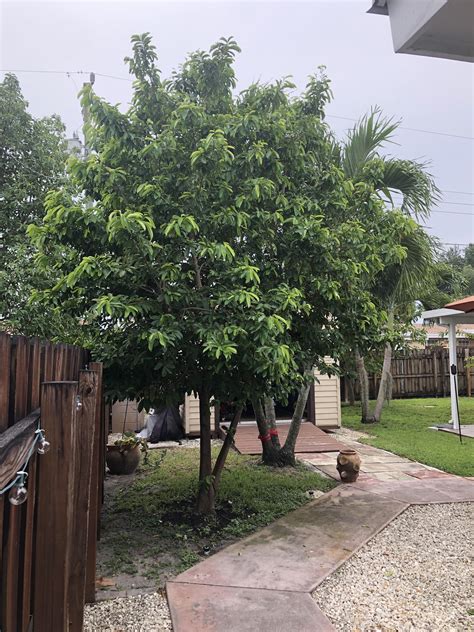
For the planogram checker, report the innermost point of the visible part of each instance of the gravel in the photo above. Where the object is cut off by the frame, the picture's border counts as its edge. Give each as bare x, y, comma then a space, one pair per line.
416, 575
145, 613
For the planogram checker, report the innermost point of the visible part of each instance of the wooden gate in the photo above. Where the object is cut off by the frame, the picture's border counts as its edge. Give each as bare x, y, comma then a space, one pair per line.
48, 544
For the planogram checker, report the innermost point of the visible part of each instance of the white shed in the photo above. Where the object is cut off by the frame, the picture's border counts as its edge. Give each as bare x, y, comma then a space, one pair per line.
324, 405
323, 409
327, 401
191, 415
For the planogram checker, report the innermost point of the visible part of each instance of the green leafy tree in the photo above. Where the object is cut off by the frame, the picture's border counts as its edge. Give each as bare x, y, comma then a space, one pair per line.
456, 273
213, 247
32, 161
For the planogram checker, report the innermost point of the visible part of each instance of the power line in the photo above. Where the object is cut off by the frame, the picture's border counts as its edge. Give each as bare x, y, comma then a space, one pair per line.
410, 129
460, 192
344, 118
443, 201
447, 243
456, 203
99, 74
453, 213
69, 72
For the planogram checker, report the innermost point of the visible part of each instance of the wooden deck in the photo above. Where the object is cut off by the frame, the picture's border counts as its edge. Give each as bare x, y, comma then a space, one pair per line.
310, 439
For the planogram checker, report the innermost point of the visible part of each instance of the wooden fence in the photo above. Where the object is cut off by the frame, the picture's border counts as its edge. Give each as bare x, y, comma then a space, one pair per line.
48, 544
423, 373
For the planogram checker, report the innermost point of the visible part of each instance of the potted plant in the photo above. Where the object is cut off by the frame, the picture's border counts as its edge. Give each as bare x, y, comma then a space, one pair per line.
123, 456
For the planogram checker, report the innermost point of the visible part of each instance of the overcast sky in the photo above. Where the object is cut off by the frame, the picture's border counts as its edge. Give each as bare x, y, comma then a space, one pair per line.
277, 39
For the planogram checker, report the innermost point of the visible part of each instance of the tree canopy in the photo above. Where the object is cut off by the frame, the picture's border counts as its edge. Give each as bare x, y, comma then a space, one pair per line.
453, 277
216, 245
32, 161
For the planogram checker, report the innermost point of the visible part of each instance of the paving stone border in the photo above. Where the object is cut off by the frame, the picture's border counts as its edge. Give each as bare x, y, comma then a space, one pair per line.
264, 582
268, 576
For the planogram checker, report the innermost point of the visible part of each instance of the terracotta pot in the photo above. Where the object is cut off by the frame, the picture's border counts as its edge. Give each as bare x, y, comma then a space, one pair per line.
122, 462
348, 465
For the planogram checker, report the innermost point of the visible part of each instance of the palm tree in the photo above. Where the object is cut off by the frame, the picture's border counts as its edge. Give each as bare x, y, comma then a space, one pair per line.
398, 285
396, 290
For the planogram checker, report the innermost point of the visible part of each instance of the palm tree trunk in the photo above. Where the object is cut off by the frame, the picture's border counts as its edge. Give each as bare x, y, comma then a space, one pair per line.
364, 387
384, 382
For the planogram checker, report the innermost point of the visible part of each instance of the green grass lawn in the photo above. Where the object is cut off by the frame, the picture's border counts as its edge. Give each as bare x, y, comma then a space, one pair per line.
150, 530
404, 430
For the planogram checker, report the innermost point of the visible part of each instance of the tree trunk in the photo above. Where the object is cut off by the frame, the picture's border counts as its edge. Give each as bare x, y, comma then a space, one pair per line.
269, 451
364, 387
384, 385
274, 454
288, 450
350, 390
271, 421
224, 451
205, 499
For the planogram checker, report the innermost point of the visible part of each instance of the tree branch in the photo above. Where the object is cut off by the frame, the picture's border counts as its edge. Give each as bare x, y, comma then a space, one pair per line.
224, 451
197, 272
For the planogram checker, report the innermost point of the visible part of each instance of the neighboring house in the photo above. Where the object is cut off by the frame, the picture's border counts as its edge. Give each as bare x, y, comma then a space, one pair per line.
437, 335
74, 145
434, 28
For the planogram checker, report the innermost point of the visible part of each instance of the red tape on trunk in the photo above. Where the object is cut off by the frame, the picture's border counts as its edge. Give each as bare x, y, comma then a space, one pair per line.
273, 432
264, 438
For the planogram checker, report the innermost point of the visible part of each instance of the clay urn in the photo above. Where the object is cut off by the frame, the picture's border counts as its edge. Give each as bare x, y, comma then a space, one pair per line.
348, 465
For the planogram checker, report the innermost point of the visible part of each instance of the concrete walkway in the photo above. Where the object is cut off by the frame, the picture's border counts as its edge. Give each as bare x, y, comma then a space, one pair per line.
264, 582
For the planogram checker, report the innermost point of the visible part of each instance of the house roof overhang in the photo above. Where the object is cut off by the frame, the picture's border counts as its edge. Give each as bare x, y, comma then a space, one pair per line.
434, 28
465, 304
379, 7
447, 316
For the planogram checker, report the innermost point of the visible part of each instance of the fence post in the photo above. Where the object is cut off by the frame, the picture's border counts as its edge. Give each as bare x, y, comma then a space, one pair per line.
443, 371
34, 384
468, 372
435, 372
5, 351
18, 407
54, 508
84, 439
96, 482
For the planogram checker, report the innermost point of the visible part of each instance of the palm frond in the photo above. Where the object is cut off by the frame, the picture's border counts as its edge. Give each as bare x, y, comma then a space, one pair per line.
404, 282
367, 136
416, 185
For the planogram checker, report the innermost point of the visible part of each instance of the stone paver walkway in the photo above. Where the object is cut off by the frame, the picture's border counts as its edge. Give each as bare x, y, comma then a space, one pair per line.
263, 583
377, 464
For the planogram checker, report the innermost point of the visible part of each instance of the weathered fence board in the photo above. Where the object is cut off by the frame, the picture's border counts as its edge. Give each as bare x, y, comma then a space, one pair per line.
55, 488
85, 438
10, 569
96, 488
28, 545
5, 360
14, 553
